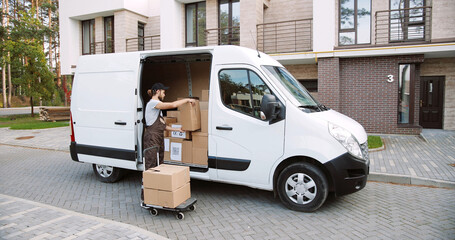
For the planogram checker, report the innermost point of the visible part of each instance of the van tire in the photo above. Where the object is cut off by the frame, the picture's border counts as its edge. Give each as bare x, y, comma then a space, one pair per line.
107, 174
302, 187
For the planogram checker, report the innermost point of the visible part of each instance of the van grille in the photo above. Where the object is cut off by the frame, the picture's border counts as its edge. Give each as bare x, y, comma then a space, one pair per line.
364, 148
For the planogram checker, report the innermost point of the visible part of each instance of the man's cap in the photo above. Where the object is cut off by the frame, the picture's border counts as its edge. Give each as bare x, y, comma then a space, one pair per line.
159, 86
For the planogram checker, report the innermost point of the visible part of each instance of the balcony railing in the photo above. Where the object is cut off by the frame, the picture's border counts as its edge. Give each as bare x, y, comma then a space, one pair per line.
286, 36
222, 36
101, 47
143, 43
403, 26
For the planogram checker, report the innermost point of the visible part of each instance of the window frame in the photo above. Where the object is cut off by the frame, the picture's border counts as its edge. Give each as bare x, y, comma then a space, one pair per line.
355, 28
405, 37
112, 50
230, 40
412, 82
91, 37
248, 70
196, 43
140, 46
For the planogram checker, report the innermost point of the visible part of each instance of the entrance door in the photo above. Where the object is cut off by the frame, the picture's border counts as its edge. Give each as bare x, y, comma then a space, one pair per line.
431, 102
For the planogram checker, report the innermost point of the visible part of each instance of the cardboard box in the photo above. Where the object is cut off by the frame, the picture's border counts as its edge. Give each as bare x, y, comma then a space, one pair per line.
205, 121
205, 95
177, 134
170, 199
200, 140
173, 114
170, 120
166, 177
204, 105
181, 150
167, 153
190, 116
200, 156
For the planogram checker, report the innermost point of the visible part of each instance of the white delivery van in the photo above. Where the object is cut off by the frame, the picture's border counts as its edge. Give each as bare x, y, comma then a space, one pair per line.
265, 130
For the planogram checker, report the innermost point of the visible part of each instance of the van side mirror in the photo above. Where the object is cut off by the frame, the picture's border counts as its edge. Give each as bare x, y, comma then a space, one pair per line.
270, 108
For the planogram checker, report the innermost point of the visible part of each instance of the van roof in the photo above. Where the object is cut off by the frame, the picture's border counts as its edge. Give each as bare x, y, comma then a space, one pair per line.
226, 54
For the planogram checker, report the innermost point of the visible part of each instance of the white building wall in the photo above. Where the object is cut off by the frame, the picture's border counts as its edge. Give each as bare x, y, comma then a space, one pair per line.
72, 12
324, 25
171, 27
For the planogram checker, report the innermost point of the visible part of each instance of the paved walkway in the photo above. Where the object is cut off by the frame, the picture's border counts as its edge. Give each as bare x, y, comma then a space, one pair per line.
23, 219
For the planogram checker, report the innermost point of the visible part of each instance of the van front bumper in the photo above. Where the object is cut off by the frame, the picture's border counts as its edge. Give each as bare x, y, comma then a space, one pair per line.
348, 174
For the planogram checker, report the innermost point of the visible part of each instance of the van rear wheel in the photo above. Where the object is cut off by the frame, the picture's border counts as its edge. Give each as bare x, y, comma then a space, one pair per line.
106, 173
302, 187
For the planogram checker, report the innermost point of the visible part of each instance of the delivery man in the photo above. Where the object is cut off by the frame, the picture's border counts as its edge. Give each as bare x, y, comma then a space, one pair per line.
155, 126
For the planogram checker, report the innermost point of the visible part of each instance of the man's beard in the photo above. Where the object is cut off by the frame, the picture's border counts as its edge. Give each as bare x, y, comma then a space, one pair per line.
160, 98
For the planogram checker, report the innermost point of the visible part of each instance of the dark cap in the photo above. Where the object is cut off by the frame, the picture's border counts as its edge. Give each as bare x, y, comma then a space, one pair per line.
159, 86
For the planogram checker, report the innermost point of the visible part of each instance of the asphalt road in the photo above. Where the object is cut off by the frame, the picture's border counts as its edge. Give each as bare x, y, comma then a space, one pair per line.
380, 211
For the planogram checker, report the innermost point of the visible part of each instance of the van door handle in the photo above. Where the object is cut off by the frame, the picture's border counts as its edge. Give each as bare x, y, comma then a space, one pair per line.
224, 128
120, 123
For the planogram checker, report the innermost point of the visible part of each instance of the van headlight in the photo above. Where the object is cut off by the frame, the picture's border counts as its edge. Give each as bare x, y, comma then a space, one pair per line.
346, 139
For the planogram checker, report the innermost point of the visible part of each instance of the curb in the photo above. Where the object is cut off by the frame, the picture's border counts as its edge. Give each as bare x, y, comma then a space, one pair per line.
411, 180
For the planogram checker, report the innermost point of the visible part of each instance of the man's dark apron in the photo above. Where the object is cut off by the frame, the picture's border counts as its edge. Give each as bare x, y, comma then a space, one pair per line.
153, 138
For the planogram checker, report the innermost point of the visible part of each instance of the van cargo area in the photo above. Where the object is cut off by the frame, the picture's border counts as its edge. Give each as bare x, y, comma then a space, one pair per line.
186, 76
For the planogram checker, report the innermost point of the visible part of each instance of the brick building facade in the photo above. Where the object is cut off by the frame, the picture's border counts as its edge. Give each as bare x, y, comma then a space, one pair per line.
350, 60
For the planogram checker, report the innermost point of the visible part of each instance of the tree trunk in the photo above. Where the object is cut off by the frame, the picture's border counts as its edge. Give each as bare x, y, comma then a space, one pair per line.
10, 84
49, 14
5, 104
31, 104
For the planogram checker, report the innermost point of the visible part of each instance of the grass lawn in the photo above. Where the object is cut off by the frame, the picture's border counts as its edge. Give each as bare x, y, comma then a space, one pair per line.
374, 142
25, 122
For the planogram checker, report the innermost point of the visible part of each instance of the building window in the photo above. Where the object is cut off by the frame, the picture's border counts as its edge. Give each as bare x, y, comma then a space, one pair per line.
229, 22
109, 34
355, 22
310, 84
140, 36
88, 37
406, 94
407, 20
195, 24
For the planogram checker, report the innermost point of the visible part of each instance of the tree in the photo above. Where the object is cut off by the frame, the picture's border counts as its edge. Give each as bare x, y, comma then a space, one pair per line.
26, 47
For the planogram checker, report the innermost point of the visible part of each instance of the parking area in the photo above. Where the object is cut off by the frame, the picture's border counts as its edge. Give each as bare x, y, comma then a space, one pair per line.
383, 211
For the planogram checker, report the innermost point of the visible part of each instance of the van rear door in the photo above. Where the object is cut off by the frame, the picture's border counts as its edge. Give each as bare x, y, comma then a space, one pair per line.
104, 106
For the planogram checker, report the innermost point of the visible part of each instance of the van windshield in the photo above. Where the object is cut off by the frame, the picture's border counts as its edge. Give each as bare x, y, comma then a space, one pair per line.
293, 86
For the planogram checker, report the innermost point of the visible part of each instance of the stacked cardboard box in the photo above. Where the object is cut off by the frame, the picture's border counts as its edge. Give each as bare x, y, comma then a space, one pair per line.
190, 147
200, 139
178, 150
166, 185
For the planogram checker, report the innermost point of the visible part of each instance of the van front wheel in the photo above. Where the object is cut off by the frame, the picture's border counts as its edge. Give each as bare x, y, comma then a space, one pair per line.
106, 173
302, 187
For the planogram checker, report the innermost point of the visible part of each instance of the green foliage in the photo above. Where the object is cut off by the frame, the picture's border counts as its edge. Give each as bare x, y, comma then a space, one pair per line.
374, 142
22, 122
30, 69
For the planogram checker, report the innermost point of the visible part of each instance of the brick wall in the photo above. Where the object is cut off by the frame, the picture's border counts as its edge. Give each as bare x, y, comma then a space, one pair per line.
287, 10
358, 88
329, 82
125, 26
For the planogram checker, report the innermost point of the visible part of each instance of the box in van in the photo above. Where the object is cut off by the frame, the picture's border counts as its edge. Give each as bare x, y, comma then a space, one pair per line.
264, 130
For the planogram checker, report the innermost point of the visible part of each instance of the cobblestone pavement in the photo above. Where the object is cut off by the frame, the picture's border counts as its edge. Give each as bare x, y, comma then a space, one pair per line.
22, 219
380, 211
430, 156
